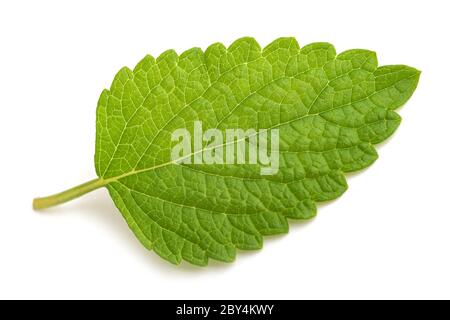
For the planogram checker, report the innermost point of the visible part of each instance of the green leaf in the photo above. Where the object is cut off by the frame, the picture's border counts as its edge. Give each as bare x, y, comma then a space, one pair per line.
329, 109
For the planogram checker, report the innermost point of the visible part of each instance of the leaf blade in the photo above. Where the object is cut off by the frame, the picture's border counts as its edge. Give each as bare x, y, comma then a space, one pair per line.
330, 110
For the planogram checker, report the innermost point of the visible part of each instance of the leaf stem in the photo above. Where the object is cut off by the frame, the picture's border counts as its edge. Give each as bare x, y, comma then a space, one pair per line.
72, 193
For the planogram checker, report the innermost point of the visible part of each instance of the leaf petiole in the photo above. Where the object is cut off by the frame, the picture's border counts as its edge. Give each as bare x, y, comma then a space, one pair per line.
72, 193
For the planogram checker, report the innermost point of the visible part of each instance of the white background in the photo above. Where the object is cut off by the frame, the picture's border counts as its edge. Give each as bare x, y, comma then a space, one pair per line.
388, 236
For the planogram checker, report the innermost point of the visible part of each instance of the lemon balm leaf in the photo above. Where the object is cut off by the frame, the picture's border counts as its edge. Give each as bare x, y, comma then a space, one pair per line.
329, 111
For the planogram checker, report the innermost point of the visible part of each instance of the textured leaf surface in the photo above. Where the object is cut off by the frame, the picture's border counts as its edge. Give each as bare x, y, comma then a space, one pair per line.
330, 110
